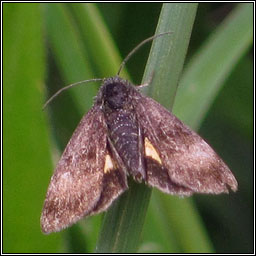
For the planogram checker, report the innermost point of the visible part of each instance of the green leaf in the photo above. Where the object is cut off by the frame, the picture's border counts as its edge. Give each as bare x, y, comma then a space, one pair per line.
97, 39
26, 159
179, 227
210, 67
166, 63
70, 55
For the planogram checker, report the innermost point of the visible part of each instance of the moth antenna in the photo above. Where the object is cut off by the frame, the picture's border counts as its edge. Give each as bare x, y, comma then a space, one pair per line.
137, 47
69, 86
100, 79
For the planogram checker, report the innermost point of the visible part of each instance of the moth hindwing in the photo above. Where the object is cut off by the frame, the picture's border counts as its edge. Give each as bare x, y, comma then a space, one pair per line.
126, 133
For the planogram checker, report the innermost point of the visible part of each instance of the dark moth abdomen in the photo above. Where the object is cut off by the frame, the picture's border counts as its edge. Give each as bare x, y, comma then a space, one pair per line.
123, 128
123, 132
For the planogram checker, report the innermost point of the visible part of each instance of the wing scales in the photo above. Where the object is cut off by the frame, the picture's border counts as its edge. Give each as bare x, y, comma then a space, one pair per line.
189, 160
76, 184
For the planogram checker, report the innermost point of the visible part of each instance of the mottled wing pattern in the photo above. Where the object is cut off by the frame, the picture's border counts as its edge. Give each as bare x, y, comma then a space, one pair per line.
77, 185
188, 163
158, 176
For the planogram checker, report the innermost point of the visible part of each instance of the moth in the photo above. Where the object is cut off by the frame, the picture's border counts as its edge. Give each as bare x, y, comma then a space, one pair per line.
128, 134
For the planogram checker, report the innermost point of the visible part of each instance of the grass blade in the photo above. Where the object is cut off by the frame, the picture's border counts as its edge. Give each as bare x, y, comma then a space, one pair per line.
26, 158
206, 72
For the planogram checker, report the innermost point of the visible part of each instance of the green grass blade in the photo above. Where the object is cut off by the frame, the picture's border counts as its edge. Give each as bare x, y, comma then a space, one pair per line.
206, 72
183, 225
123, 223
70, 55
167, 68
123, 220
178, 224
97, 39
26, 158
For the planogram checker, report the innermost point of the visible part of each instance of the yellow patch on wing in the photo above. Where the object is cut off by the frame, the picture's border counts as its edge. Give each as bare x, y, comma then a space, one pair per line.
151, 151
109, 164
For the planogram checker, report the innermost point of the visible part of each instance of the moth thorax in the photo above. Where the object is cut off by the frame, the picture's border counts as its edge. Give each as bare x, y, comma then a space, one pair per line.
116, 95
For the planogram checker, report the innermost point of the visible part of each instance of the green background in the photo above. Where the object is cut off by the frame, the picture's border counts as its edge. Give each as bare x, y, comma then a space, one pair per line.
34, 67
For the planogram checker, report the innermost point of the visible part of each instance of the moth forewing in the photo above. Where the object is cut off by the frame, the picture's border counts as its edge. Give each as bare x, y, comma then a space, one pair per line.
188, 159
79, 182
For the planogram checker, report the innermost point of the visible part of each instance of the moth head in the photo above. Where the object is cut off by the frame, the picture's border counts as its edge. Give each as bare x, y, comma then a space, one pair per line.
115, 94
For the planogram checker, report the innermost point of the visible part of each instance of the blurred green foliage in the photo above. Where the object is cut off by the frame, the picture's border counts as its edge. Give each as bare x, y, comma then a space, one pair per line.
45, 47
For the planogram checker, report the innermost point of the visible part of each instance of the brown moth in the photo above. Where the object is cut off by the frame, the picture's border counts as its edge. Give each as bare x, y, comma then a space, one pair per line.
126, 133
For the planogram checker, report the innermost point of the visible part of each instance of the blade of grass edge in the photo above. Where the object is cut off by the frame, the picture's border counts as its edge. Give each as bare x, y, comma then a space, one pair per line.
97, 39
